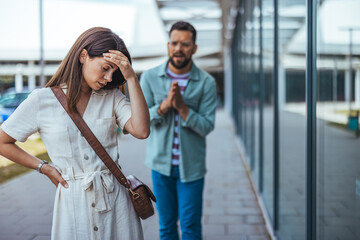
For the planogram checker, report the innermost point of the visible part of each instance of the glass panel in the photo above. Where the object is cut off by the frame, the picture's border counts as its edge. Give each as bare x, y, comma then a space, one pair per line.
247, 66
235, 88
256, 87
246, 95
338, 105
268, 64
292, 125
246, 81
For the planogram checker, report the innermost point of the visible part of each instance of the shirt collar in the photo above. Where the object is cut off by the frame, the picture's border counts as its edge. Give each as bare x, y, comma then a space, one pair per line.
100, 92
194, 73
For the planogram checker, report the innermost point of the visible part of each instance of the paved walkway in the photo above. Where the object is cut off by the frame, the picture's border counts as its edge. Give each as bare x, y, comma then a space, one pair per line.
230, 207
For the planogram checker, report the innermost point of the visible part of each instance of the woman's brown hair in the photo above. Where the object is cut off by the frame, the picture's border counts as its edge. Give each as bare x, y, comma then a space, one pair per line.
95, 41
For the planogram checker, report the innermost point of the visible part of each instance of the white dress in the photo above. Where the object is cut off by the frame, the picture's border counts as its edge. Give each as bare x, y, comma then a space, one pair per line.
95, 206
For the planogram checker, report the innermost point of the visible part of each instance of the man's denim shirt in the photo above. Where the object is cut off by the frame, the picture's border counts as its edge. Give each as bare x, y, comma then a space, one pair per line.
201, 98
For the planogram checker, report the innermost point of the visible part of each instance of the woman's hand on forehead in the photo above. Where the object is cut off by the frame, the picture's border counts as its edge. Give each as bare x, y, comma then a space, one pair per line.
118, 58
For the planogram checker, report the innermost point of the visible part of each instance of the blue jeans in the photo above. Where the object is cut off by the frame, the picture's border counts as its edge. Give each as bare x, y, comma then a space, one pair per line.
178, 200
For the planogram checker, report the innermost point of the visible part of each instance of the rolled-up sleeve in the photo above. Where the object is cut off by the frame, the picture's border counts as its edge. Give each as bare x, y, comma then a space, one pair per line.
122, 109
23, 122
149, 97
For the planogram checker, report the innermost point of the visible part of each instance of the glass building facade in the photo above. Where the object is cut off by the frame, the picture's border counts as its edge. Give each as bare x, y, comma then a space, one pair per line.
295, 100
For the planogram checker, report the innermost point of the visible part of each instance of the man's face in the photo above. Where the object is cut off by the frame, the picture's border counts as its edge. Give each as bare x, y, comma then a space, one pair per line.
181, 48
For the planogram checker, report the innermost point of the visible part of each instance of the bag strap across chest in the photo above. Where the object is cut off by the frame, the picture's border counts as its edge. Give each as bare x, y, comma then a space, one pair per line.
91, 138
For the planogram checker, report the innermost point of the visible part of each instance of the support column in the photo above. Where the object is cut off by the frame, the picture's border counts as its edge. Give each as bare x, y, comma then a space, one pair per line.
335, 76
282, 87
357, 88
19, 83
228, 80
31, 80
347, 86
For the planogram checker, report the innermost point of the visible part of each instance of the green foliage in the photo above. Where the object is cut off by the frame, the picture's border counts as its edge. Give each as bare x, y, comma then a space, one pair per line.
14, 170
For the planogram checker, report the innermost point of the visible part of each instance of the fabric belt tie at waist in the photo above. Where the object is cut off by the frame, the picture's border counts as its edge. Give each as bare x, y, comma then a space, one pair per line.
101, 182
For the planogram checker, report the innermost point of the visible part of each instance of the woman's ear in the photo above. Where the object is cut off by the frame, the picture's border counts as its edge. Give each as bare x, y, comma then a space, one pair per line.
83, 55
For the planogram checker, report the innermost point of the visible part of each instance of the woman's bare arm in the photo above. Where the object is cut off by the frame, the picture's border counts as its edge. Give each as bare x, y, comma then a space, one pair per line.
139, 122
11, 151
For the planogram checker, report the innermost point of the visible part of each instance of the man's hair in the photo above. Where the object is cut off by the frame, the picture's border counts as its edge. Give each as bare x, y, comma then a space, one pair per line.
184, 26
95, 41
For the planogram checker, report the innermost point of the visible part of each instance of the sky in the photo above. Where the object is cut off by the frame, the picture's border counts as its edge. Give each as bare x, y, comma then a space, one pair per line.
334, 17
65, 20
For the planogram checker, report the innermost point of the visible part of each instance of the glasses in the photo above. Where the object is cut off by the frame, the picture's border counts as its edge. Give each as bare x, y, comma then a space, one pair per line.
182, 44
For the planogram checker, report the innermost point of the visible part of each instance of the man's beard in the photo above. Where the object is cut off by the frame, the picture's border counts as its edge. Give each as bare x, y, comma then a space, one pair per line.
181, 64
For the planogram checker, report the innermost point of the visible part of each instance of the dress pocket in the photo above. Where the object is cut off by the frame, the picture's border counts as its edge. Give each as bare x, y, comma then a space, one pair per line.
106, 131
57, 142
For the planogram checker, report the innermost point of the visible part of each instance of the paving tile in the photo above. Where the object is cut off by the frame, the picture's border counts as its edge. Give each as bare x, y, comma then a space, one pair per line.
233, 237
236, 197
44, 229
4, 236
214, 211
10, 228
259, 237
255, 219
247, 229
223, 203
253, 204
226, 219
231, 211
214, 229
43, 220
48, 237
242, 211
6, 209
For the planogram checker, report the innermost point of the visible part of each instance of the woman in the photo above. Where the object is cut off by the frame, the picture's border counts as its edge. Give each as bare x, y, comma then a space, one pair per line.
89, 202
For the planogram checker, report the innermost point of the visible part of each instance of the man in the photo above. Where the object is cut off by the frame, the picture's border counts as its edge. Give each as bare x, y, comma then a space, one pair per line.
182, 102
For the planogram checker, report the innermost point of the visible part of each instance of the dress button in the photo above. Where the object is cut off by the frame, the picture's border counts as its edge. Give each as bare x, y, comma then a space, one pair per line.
86, 157
95, 228
93, 204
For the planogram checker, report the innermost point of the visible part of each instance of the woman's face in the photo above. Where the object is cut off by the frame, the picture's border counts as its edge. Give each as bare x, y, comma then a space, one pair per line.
97, 71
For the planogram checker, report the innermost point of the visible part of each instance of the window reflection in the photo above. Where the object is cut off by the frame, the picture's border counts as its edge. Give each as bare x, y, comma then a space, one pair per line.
292, 62
338, 75
338, 109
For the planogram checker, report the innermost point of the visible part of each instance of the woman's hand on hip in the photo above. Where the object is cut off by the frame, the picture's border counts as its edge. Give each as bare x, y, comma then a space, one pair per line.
54, 175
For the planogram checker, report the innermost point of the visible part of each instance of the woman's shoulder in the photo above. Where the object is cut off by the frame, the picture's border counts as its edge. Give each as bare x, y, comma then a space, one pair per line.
39, 92
44, 93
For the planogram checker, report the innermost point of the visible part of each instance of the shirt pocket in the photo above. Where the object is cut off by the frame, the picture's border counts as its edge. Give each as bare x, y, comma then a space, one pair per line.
106, 131
57, 142
193, 104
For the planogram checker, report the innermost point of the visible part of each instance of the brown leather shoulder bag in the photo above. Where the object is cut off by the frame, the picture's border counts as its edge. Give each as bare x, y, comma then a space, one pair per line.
140, 194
